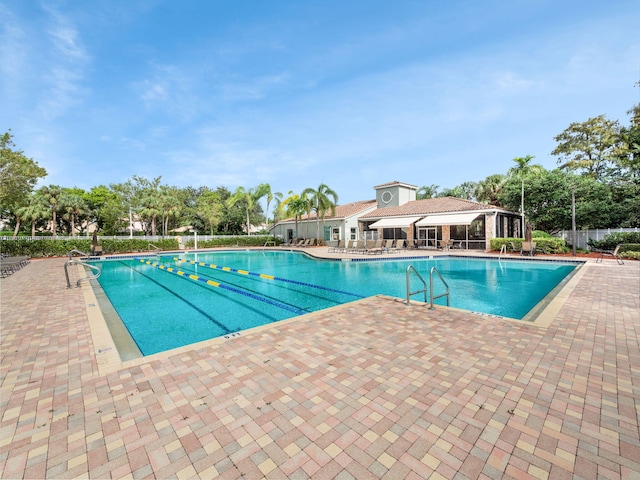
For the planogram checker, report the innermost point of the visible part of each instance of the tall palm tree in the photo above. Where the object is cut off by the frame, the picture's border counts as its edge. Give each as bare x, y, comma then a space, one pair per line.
321, 201
249, 198
150, 209
294, 206
523, 168
74, 206
265, 190
170, 206
52, 195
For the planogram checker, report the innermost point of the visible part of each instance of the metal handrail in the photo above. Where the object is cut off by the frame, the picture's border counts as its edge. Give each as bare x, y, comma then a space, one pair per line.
503, 249
79, 252
424, 284
157, 249
78, 262
432, 297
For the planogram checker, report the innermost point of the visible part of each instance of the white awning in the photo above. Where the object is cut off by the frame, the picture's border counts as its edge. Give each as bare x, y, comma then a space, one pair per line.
396, 222
448, 219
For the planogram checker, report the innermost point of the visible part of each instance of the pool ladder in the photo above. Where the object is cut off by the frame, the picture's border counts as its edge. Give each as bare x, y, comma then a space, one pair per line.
73, 261
432, 297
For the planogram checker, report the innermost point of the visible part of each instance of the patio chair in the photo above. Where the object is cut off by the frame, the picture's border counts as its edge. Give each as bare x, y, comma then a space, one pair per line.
338, 248
376, 247
528, 248
615, 253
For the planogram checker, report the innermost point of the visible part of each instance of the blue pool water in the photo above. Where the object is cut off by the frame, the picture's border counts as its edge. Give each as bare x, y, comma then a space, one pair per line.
166, 302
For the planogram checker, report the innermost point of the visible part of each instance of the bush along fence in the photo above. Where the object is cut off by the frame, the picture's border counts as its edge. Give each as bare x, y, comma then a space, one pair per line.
53, 247
543, 244
629, 244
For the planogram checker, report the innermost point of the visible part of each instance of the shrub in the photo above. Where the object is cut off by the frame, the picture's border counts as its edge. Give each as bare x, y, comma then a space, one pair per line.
543, 244
610, 241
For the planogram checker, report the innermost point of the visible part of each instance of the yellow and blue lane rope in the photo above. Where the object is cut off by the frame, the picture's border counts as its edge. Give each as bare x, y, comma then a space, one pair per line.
213, 283
265, 276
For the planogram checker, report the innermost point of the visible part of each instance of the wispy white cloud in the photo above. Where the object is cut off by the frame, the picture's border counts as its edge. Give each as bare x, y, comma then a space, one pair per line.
65, 66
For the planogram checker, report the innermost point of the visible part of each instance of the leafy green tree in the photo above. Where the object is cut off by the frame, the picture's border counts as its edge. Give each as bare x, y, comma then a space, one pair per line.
548, 201
590, 147
209, 208
321, 200
18, 174
427, 191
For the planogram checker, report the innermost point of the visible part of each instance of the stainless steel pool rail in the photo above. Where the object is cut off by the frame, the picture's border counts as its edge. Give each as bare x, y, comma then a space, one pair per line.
432, 297
411, 269
73, 261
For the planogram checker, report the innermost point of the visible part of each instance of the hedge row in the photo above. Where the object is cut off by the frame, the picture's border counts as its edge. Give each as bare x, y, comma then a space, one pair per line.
543, 244
60, 248
613, 239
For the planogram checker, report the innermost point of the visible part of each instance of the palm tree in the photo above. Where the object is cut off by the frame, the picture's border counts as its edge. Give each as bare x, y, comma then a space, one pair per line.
74, 206
427, 191
521, 170
321, 200
170, 205
249, 198
52, 195
488, 190
265, 190
150, 209
295, 206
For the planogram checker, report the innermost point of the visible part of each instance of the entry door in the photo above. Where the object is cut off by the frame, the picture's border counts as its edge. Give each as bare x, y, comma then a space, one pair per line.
432, 237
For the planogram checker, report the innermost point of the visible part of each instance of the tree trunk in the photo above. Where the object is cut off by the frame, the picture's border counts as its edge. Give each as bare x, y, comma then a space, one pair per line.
15, 232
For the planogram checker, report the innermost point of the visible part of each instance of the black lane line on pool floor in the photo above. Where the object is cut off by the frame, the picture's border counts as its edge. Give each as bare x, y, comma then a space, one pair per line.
237, 289
258, 279
244, 287
195, 307
265, 276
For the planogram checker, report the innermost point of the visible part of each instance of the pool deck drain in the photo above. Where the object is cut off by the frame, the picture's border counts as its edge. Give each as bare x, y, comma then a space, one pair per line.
372, 389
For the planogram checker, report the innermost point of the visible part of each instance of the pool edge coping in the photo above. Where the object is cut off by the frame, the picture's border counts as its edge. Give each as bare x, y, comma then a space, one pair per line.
108, 357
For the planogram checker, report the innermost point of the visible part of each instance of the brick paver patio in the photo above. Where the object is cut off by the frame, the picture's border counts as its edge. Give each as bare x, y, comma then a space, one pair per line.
372, 389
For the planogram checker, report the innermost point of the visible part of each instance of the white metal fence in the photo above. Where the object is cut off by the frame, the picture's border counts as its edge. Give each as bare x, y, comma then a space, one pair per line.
583, 236
148, 238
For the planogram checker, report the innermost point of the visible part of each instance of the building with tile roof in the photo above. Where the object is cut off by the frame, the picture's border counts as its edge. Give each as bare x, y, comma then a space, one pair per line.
396, 214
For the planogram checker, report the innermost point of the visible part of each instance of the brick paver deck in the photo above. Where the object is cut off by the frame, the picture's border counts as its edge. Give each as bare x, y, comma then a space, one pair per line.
372, 389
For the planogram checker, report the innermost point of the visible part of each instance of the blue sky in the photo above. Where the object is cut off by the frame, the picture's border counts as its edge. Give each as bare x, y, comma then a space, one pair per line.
295, 93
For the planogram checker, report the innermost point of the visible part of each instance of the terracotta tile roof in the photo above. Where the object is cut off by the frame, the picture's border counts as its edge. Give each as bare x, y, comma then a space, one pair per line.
430, 205
342, 211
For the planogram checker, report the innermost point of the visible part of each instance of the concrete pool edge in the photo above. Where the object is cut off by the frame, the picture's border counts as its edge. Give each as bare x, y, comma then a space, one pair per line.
111, 355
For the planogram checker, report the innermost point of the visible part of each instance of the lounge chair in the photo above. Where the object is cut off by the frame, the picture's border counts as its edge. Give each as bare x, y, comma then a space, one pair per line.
359, 247
10, 265
399, 245
528, 248
376, 247
615, 253
338, 248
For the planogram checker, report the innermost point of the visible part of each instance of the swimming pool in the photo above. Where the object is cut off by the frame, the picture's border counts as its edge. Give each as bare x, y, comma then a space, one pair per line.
170, 301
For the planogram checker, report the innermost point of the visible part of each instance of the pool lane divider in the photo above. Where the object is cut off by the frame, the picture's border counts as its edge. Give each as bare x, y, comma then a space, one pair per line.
266, 277
212, 283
